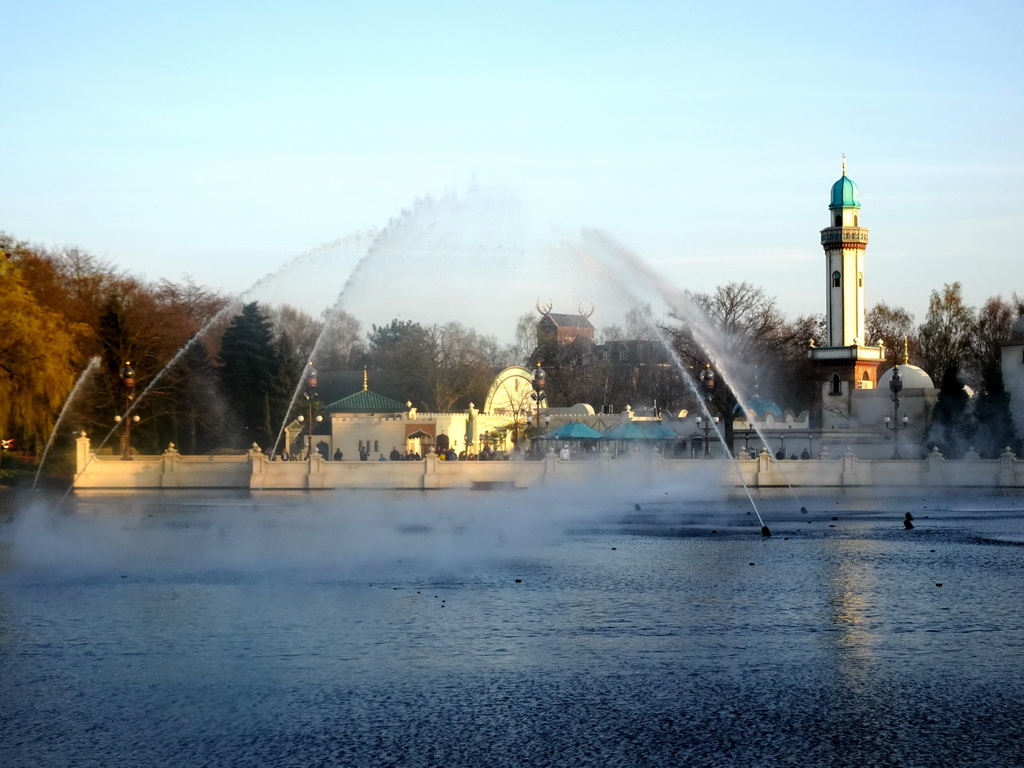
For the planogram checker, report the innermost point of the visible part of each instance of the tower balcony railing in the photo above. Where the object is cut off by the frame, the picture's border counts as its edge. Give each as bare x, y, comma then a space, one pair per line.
851, 352
839, 235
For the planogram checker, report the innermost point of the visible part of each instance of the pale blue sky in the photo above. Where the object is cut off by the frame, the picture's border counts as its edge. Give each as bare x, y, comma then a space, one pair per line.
220, 140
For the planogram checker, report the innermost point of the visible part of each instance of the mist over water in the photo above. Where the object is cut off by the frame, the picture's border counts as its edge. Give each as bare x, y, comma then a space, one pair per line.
637, 623
347, 533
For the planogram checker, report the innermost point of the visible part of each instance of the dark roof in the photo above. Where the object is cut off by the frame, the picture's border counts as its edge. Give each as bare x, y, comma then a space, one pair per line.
568, 321
365, 401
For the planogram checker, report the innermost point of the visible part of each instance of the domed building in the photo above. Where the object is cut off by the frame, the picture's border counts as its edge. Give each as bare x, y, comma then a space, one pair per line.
911, 377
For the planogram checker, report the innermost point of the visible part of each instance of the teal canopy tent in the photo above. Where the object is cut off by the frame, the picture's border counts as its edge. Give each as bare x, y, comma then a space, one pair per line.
639, 430
574, 430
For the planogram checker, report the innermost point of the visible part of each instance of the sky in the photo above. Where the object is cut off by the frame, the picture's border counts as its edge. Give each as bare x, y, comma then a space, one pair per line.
225, 141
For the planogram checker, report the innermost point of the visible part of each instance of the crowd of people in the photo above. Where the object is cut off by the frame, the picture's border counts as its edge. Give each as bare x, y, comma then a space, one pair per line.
448, 453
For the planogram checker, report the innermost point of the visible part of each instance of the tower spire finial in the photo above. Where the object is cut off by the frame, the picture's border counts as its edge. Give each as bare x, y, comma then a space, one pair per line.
906, 351
364, 379
844, 163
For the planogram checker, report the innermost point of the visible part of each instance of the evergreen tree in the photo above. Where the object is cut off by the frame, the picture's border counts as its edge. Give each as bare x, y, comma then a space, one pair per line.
951, 429
201, 407
402, 353
250, 376
994, 426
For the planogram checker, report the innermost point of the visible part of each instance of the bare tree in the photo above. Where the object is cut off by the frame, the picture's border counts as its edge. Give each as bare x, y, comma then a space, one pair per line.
747, 339
341, 341
525, 339
947, 332
465, 362
299, 327
992, 329
891, 326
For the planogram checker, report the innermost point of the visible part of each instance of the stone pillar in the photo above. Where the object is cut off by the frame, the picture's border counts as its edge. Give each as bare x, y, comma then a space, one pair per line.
550, 462
1006, 462
315, 475
258, 462
83, 455
935, 471
430, 478
168, 467
854, 470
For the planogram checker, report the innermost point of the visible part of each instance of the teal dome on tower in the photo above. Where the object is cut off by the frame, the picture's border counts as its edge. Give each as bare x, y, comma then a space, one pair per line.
844, 193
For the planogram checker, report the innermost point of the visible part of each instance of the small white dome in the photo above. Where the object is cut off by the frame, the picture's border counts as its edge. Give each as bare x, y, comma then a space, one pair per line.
913, 378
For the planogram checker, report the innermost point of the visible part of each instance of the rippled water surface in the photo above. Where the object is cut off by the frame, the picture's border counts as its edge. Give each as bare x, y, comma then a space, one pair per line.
510, 629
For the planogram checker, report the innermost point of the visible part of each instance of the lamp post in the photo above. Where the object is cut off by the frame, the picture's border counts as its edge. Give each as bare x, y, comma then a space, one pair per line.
539, 383
705, 424
707, 382
707, 388
310, 394
127, 374
895, 423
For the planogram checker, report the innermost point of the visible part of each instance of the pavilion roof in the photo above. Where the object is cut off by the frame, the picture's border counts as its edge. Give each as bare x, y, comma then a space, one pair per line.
365, 401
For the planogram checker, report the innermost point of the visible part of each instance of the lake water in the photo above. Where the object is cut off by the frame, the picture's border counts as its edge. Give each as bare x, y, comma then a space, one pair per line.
533, 628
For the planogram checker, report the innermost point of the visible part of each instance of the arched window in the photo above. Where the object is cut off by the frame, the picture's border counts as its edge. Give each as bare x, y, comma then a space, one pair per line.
855, 220
860, 279
836, 278
836, 385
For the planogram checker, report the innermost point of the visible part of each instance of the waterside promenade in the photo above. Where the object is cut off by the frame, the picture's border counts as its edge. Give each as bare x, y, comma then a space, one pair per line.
254, 470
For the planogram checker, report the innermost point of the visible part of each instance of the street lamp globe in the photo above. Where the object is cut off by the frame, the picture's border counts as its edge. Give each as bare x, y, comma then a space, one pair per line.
707, 381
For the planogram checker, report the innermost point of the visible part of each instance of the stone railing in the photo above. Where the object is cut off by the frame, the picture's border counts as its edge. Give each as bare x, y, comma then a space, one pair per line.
254, 470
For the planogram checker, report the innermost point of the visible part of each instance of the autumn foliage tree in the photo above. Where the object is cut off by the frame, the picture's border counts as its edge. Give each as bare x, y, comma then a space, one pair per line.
38, 360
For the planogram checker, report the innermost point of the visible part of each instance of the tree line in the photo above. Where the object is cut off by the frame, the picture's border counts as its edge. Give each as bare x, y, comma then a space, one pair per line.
221, 375
958, 346
216, 374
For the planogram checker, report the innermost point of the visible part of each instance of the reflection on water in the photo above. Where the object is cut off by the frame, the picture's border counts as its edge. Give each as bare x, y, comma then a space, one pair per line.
532, 628
853, 596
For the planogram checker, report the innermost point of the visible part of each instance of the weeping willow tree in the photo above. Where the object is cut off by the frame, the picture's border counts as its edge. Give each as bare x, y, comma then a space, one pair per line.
37, 353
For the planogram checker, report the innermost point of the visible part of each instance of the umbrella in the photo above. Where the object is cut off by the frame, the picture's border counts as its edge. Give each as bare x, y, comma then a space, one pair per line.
574, 430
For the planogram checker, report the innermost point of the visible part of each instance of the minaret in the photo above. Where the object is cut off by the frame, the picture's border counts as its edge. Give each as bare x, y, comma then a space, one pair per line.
849, 360
844, 241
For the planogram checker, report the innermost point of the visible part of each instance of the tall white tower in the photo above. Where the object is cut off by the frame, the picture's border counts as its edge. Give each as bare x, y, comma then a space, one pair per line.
844, 241
848, 360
